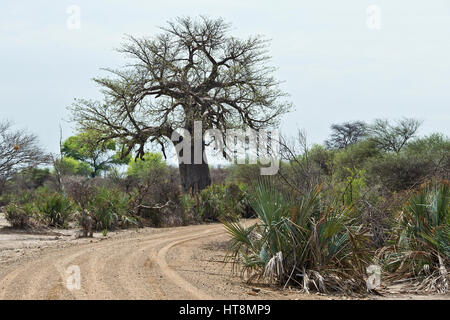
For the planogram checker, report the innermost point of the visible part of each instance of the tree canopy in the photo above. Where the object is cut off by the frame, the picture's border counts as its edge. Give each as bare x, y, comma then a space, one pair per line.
138, 168
191, 71
87, 148
345, 134
393, 136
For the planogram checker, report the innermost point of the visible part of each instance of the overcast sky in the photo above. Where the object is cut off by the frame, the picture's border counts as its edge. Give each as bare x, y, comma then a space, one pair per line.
334, 66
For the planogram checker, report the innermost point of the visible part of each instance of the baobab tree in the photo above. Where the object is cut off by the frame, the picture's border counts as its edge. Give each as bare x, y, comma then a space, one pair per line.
191, 71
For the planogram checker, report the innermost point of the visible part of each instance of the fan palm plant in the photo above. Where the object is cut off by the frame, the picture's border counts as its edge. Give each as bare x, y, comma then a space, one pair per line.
422, 242
305, 241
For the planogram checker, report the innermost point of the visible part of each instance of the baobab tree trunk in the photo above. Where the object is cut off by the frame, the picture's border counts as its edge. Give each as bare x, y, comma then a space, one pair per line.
194, 177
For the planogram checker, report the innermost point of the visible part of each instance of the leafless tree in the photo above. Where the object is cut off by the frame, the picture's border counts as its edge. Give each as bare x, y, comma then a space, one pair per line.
192, 71
393, 137
301, 174
18, 150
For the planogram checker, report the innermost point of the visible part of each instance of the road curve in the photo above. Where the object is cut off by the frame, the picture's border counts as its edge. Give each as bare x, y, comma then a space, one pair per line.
135, 267
172, 263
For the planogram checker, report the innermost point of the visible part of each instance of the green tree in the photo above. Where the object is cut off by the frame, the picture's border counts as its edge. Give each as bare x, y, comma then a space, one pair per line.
70, 166
88, 148
138, 168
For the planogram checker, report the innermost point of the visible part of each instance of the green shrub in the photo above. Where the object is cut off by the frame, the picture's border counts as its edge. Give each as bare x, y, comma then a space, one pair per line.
19, 198
109, 207
188, 205
396, 172
54, 208
213, 203
241, 195
243, 173
18, 216
353, 186
217, 203
355, 156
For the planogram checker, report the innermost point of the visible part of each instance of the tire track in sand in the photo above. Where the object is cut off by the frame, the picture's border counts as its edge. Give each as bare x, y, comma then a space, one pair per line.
130, 268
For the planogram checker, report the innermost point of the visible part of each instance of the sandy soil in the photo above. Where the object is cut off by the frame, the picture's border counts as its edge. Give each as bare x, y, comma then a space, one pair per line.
170, 263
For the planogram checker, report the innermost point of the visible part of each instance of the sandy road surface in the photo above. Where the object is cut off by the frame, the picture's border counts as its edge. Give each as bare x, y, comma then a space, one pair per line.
172, 263
135, 267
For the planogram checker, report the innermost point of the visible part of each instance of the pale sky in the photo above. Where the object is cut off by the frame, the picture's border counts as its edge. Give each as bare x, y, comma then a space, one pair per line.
334, 66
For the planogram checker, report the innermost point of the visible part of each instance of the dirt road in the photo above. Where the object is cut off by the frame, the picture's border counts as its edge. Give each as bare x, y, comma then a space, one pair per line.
135, 267
172, 263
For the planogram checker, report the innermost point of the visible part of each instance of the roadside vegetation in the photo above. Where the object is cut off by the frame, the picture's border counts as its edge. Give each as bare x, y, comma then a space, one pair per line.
372, 195
330, 212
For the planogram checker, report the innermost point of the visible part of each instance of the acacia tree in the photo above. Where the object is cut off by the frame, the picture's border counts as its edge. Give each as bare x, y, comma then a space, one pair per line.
393, 137
345, 134
18, 150
192, 71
